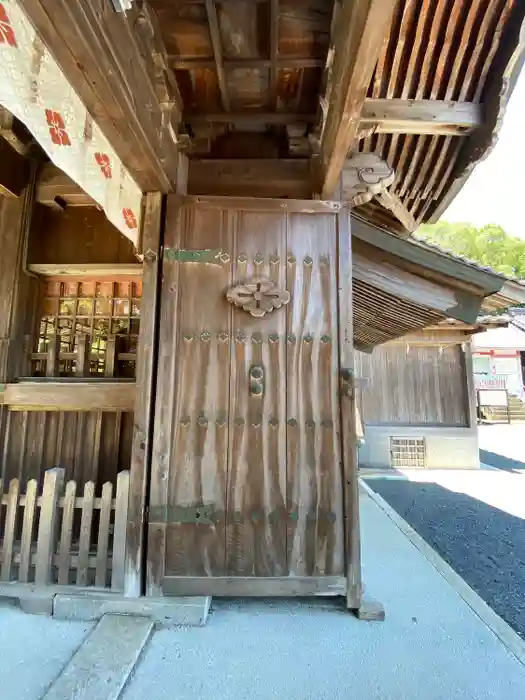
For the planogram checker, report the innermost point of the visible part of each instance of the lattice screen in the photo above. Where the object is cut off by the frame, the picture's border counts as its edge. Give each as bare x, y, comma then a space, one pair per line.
105, 313
407, 452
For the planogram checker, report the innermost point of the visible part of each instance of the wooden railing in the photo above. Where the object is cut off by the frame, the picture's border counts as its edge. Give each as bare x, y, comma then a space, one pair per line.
59, 537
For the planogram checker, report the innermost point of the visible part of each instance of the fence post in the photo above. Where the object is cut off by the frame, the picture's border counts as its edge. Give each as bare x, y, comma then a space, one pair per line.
53, 480
119, 531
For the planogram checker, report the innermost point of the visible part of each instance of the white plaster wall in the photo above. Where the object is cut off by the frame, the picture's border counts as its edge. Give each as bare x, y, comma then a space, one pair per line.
447, 448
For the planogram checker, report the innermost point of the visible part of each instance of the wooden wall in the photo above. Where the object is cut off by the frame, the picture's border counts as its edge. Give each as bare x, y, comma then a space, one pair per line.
76, 235
89, 445
412, 385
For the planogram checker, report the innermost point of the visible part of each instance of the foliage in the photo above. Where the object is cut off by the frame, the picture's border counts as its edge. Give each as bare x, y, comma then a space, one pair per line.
488, 245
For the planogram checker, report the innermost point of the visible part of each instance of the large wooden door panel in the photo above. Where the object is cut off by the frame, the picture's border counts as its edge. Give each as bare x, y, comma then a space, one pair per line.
248, 486
314, 484
256, 529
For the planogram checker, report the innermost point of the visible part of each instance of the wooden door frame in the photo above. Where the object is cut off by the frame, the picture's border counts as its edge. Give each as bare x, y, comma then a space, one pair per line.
157, 584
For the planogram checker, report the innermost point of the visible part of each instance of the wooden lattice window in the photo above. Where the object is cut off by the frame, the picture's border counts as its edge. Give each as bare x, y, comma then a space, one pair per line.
87, 328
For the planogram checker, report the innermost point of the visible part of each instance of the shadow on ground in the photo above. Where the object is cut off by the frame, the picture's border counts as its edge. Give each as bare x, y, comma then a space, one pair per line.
500, 462
483, 544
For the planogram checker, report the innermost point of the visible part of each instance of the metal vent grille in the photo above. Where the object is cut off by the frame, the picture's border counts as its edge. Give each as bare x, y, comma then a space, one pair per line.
407, 452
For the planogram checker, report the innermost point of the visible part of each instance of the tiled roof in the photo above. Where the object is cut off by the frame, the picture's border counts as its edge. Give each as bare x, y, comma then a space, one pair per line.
471, 263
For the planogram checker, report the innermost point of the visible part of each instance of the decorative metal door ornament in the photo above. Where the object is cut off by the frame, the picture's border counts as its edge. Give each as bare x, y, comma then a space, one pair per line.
258, 296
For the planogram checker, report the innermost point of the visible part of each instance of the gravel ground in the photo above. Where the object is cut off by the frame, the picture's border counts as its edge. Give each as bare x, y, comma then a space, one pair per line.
483, 544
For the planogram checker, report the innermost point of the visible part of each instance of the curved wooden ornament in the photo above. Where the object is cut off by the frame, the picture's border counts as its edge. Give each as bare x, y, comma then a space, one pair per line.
258, 296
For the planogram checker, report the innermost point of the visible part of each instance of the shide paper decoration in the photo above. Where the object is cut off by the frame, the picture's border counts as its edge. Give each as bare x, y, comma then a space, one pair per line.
34, 89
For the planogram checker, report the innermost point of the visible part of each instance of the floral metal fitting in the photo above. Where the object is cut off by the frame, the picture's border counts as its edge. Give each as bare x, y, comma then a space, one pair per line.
242, 258
205, 336
308, 261
223, 337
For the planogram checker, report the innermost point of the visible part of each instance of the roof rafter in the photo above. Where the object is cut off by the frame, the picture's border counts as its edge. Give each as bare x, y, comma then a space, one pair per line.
359, 30
213, 23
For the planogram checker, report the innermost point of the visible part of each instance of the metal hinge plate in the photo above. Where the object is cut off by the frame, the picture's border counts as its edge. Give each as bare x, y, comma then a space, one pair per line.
196, 256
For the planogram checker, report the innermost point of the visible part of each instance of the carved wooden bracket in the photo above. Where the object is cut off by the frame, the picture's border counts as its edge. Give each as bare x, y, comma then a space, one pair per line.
364, 176
258, 296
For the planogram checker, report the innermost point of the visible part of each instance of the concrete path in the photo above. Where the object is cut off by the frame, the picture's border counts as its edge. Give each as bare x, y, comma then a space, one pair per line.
503, 447
432, 644
33, 651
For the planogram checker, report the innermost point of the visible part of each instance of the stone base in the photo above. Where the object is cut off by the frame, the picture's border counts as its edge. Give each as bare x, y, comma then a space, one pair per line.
164, 612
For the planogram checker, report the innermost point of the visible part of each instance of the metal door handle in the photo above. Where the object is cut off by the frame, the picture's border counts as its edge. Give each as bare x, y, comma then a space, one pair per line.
256, 380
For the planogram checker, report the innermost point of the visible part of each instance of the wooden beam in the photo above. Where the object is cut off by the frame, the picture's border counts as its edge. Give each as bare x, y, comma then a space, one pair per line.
57, 190
290, 62
393, 203
105, 57
15, 133
433, 117
249, 118
251, 178
253, 586
359, 29
14, 171
91, 270
274, 50
215, 34
68, 396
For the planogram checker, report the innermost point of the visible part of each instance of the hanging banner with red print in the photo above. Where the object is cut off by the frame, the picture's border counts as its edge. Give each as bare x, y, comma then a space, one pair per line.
34, 89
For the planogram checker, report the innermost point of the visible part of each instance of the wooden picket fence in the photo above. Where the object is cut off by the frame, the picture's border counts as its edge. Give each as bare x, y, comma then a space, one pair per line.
57, 537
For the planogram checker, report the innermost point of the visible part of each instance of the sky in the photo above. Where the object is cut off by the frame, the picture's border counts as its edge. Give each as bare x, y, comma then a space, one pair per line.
495, 192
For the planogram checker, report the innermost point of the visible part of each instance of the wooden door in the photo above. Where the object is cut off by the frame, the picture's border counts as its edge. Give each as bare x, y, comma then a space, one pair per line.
247, 469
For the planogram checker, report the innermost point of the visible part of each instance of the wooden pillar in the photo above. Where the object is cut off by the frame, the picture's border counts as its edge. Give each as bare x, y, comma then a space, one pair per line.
348, 415
15, 287
150, 247
144, 401
470, 390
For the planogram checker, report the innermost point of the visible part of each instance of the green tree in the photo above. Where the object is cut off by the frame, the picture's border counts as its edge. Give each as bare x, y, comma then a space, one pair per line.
488, 245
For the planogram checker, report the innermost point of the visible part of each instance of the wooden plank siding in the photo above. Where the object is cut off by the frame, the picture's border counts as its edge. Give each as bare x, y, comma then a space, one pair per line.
404, 384
92, 445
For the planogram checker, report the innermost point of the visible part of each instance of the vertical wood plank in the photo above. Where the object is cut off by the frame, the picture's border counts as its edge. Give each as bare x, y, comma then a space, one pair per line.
256, 485
53, 481
84, 543
348, 423
103, 535
82, 355
10, 529
165, 400
111, 354
200, 409
27, 530
119, 532
53, 359
64, 552
145, 396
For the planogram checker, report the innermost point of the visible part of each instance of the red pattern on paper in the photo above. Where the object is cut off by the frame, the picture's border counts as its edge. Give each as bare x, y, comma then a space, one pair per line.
105, 164
129, 218
57, 128
7, 34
